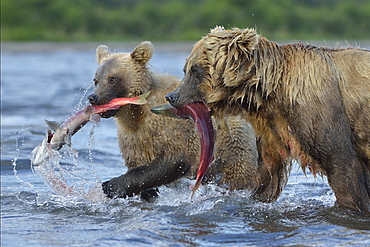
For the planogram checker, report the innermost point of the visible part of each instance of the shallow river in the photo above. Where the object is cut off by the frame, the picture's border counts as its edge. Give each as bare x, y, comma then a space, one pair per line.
51, 81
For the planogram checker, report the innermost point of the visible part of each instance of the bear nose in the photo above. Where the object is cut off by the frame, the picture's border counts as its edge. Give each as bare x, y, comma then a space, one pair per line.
93, 98
172, 98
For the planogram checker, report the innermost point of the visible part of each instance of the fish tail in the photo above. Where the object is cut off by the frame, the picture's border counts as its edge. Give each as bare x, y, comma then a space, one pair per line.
195, 188
141, 100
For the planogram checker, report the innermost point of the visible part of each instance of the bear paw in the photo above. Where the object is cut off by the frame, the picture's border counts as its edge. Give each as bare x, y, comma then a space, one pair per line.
149, 195
111, 189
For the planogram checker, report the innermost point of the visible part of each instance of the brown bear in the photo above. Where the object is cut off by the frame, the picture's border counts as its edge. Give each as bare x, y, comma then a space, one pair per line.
156, 149
307, 103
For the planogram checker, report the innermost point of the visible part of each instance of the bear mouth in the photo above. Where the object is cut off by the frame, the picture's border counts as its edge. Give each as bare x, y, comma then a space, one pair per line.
108, 114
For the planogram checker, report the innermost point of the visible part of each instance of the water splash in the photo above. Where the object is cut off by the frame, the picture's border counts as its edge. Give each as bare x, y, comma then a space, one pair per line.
14, 161
90, 153
62, 178
52, 173
85, 88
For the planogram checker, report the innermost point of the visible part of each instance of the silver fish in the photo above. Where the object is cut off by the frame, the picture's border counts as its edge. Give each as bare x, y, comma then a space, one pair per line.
63, 132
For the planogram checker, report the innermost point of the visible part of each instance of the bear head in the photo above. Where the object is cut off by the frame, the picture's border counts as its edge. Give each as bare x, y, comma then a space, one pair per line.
218, 64
121, 75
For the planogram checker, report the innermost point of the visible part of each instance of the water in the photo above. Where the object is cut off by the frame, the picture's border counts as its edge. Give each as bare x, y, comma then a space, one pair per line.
51, 81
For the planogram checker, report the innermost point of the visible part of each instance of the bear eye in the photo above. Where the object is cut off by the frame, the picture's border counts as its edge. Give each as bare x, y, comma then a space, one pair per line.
195, 72
112, 80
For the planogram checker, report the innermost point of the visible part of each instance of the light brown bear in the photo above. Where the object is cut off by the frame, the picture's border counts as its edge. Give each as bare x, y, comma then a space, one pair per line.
307, 103
156, 149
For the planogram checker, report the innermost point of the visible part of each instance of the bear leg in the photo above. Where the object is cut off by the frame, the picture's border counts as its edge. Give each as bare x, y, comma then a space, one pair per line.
351, 185
324, 133
272, 173
160, 171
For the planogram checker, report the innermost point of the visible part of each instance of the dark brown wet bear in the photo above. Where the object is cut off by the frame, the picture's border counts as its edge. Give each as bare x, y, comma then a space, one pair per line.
307, 103
156, 149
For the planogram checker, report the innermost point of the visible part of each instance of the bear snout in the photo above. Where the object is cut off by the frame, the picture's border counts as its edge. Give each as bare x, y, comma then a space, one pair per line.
173, 99
93, 99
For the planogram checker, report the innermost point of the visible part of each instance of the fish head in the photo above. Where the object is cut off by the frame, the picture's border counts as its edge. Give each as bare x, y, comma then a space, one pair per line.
166, 110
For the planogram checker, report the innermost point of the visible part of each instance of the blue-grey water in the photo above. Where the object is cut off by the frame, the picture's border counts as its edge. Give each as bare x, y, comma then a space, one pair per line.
51, 81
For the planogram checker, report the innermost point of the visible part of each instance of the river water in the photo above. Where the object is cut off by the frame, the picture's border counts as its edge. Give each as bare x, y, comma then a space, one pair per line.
51, 81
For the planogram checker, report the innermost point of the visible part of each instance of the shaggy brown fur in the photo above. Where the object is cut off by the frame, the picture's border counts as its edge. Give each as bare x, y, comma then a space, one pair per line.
307, 103
157, 149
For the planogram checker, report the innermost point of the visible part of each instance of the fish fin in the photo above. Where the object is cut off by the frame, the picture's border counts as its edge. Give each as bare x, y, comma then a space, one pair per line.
53, 125
95, 118
141, 100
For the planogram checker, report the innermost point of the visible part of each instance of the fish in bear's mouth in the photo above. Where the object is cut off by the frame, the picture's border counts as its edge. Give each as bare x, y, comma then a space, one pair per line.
201, 116
60, 134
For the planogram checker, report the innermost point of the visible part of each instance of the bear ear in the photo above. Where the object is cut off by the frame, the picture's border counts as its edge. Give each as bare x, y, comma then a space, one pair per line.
245, 39
229, 52
242, 39
102, 53
143, 52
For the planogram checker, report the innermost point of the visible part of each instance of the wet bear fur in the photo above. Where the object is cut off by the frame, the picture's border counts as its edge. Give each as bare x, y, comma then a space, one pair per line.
156, 149
305, 103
